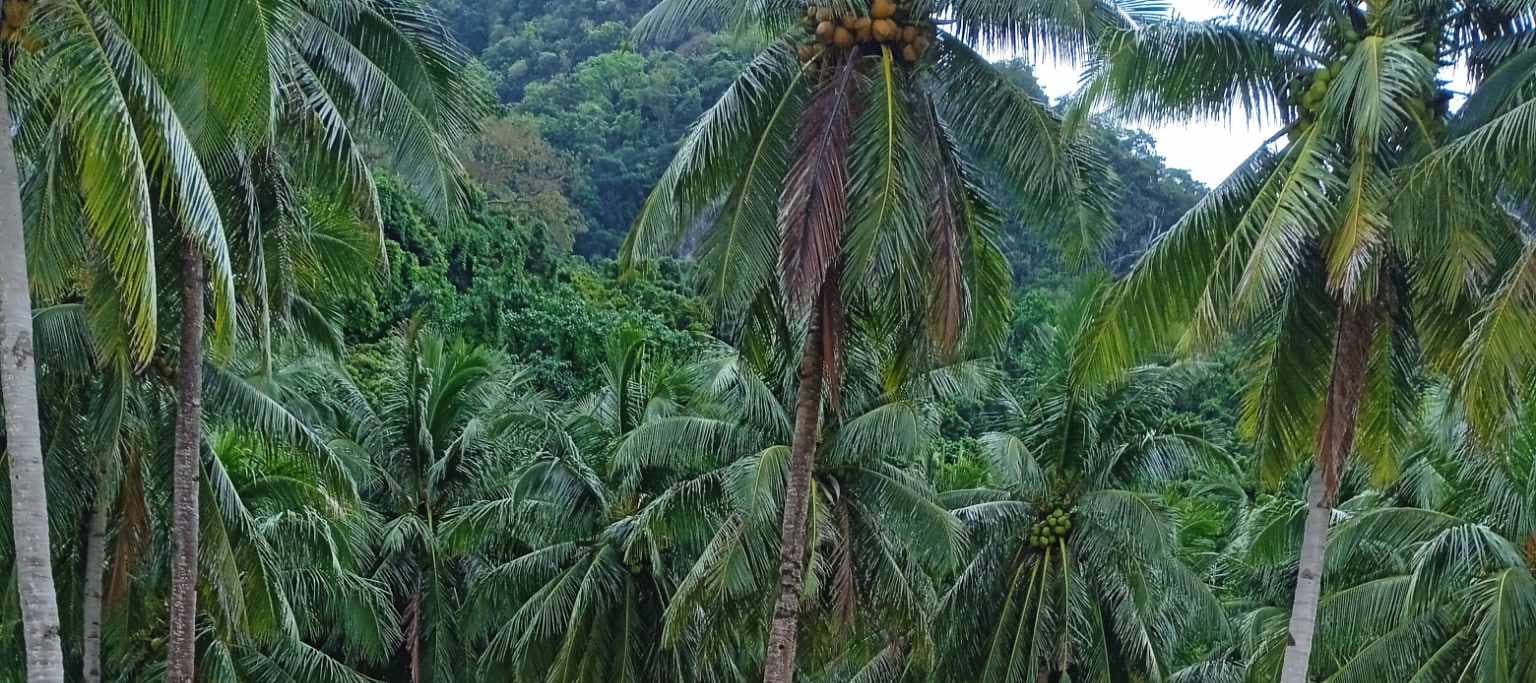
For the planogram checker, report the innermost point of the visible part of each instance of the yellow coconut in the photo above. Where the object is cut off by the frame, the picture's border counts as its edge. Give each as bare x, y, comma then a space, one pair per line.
842, 37
909, 34
825, 30
910, 54
882, 9
886, 30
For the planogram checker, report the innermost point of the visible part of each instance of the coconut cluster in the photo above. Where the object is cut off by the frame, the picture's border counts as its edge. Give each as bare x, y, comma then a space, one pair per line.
1046, 532
1308, 91
1436, 104
884, 23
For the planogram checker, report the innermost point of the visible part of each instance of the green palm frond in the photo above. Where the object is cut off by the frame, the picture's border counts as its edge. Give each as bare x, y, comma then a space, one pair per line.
1066, 31
673, 18
1283, 394
1175, 70
114, 173
297, 660
1509, 600
1006, 129
886, 242
389, 71
738, 257
1011, 460
765, 98
1489, 371
1149, 310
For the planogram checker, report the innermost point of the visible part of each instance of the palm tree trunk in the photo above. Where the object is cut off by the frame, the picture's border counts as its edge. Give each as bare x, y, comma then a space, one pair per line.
95, 568
779, 664
414, 632
187, 464
23, 437
1335, 440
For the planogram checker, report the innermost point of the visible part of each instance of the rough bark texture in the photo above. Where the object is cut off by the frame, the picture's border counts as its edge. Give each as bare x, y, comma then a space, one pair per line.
95, 569
185, 471
779, 660
23, 439
1335, 440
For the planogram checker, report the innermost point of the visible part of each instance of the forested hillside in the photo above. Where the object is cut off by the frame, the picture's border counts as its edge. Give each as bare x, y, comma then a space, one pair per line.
794, 341
597, 114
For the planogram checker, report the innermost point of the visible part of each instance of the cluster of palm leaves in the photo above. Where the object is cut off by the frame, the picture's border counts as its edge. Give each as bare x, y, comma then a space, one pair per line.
1428, 578
224, 147
764, 510
444, 520
1387, 235
441, 519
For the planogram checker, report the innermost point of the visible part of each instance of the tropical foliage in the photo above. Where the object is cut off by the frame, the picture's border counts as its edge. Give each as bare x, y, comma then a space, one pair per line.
902, 373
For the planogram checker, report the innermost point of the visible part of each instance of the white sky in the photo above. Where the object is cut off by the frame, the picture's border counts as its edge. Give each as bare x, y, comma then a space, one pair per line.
1208, 150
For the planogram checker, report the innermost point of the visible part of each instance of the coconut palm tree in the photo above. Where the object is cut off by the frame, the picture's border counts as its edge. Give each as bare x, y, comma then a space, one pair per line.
1325, 247
1255, 572
223, 106
1075, 572
289, 544
428, 435
878, 535
105, 80
575, 560
1453, 591
109, 435
843, 172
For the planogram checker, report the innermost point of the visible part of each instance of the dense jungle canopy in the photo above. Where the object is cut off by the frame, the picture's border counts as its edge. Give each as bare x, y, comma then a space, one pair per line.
717, 341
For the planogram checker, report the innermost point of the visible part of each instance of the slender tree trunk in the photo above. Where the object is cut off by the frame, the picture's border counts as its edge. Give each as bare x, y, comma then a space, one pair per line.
415, 632
95, 568
23, 432
186, 469
779, 662
1335, 440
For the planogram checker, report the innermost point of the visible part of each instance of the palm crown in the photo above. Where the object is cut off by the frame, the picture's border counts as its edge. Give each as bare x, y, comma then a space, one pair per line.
1071, 534
846, 164
1338, 232
226, 122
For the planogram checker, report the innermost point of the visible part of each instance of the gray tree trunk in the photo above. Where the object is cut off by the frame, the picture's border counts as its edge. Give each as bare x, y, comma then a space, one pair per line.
1335, 441
186, 469
1309, 583
95, 568
783, 631
23, 438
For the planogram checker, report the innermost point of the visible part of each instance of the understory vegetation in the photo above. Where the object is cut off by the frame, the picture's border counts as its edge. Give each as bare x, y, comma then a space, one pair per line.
722, 341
